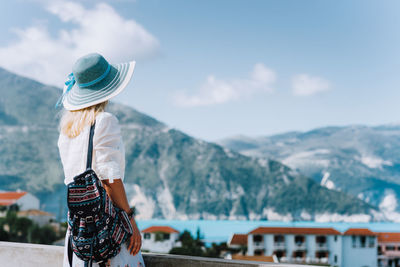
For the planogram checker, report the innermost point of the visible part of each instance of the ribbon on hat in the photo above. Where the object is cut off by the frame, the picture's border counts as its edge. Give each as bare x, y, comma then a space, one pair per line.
98, 79
69, 83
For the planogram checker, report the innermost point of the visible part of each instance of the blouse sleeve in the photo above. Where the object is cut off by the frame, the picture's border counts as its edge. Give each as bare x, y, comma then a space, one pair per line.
109, 152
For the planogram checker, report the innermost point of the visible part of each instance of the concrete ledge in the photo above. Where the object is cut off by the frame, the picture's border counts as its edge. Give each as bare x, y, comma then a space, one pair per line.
32, 255
168, 260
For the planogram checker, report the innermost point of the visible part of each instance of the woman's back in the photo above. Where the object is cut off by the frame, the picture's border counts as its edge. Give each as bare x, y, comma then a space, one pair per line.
108, 150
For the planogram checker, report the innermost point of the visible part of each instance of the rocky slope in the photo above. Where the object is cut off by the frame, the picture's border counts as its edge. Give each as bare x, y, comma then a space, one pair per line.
360, 160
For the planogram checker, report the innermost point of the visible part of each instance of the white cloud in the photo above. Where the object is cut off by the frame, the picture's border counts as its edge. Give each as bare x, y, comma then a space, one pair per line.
389, 202
216, 91
305, 85
49, 59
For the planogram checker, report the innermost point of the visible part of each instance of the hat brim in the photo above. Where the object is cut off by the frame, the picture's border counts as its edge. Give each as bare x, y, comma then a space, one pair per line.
79, 98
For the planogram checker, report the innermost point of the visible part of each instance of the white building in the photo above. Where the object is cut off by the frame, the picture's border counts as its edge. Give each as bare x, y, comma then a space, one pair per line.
160, 239
354, 248
388, 249
359, 248
238, 242
24, 200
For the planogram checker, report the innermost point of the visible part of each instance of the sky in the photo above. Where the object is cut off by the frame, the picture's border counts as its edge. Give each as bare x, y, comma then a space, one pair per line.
216, 69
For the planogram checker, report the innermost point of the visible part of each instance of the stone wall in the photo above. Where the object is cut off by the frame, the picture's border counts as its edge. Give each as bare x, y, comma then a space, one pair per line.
32, 255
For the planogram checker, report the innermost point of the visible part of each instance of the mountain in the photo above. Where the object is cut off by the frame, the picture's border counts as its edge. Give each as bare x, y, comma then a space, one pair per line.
169, 174
360, 160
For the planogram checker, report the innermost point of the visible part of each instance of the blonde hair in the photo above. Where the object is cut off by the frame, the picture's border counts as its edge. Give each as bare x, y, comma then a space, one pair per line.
73, 121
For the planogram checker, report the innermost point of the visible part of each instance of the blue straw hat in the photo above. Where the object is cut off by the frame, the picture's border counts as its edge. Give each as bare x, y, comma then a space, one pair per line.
93, 80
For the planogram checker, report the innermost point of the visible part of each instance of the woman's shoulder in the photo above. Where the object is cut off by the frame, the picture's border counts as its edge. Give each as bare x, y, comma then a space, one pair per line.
106, 117
107, 122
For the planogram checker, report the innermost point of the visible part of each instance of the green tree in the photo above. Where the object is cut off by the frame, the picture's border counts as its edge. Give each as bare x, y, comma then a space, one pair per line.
190, 246
3, 234
43, 235
22, 229
216, 249
195, 247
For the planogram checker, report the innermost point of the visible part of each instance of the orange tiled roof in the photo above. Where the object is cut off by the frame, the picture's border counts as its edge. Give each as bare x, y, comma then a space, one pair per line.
295, 230
239, 239
33, 212
8, 198
389, 237
162, 229
359, 231
253, 258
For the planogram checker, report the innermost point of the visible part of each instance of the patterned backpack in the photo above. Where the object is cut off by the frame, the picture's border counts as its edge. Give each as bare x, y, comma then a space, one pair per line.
97, 227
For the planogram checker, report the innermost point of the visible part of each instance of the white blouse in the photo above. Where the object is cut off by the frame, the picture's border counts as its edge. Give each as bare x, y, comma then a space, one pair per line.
108, 150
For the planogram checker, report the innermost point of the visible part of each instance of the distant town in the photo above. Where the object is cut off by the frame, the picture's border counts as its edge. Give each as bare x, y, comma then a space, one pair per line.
21, 220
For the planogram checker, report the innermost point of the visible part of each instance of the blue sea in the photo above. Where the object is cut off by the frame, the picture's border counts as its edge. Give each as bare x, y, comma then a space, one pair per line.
222, 230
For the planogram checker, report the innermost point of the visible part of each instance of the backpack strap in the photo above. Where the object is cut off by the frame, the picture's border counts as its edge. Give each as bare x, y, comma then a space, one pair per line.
70, 250
90, 147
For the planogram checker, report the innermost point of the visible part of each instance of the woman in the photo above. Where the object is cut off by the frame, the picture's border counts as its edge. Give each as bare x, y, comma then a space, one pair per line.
91, 84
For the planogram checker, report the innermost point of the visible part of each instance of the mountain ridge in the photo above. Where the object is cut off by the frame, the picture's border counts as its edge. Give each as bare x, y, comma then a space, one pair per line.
169, 174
